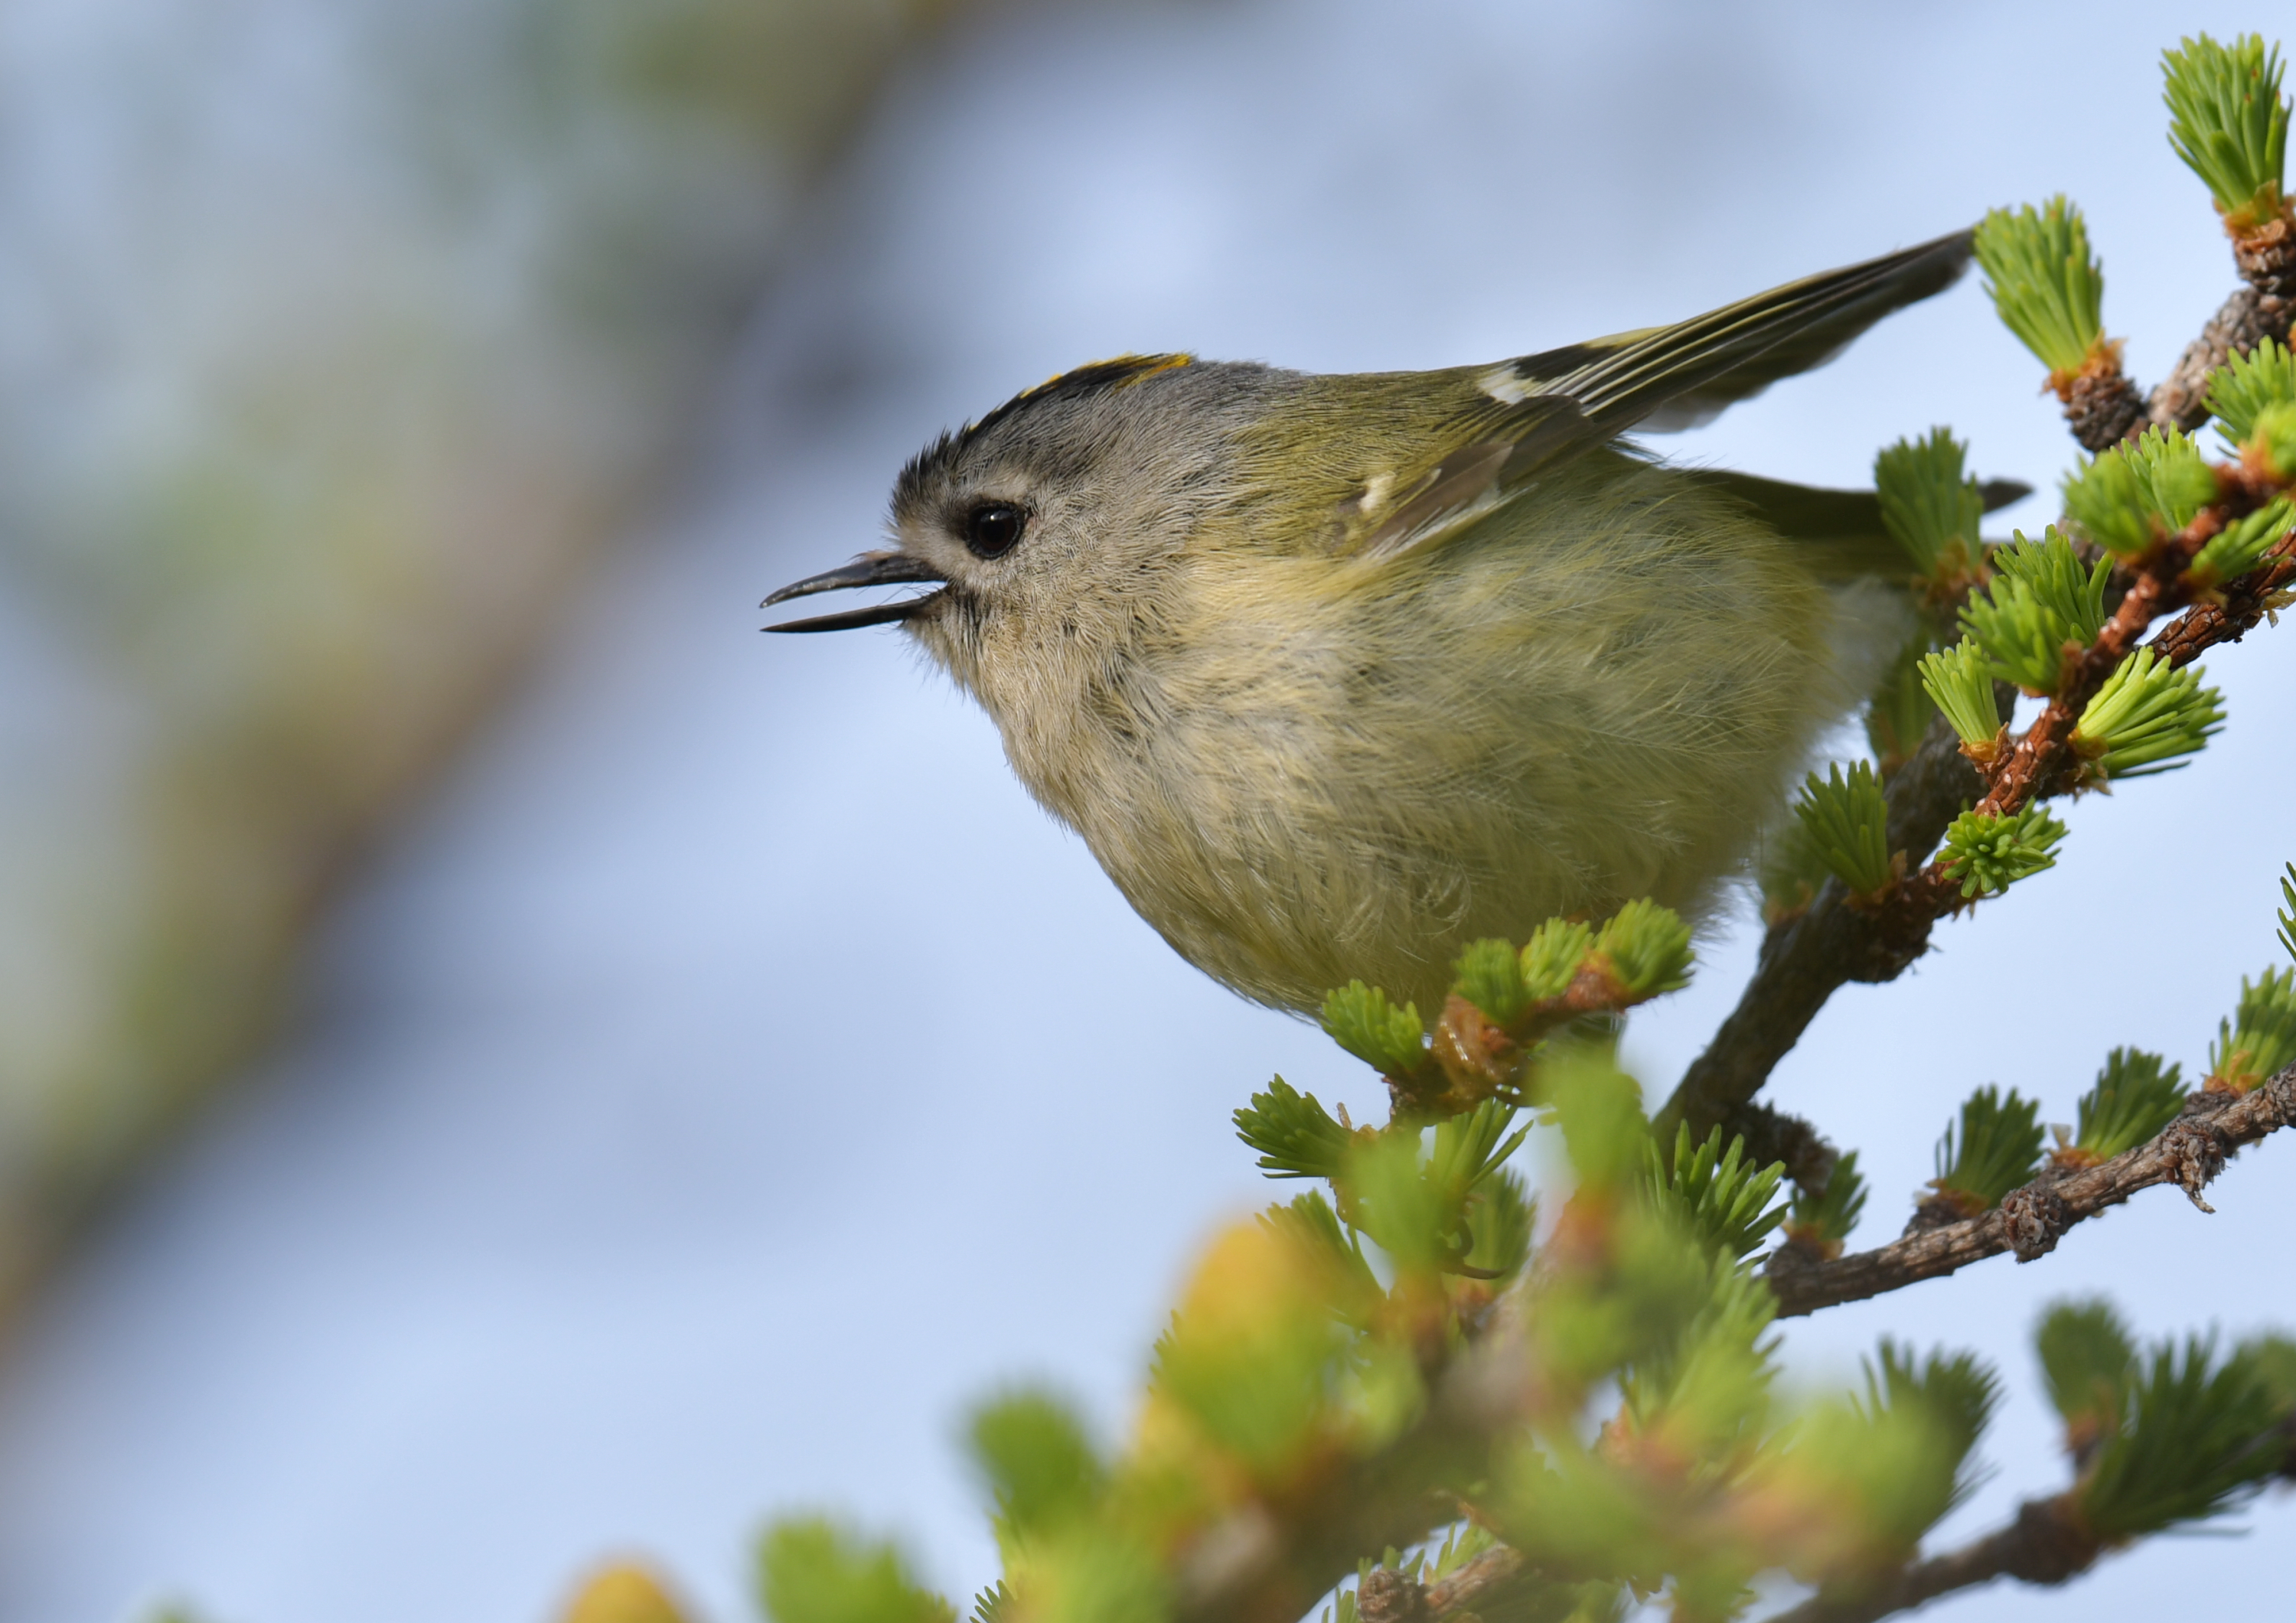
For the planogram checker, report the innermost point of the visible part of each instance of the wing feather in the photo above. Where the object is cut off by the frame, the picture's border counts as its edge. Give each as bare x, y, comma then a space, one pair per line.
1533, 412
1669, 377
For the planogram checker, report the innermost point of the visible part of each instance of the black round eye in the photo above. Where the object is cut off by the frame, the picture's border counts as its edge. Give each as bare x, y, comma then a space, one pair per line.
991, 528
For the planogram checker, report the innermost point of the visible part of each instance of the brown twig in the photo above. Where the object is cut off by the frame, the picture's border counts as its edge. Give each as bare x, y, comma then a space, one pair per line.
2266, 261
2040, 754
2045, 1545
2205, 624
1386, 1595
1811, 955
2101, 406
2188, 1153
1465, 1589
2246, 319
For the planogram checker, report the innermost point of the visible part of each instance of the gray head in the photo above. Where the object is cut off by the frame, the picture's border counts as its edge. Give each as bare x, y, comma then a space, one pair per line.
1037, 519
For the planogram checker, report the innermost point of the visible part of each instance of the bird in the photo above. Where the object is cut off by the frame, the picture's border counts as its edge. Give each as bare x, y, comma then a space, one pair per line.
1335, 673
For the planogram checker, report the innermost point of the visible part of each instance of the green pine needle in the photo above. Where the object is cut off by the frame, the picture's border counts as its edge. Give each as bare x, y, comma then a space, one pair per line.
1489, 976
1955, 1396
1309, 1219
1553, 957
2196, 1436
2241, 546
2041, 603
1928, 507
1997, 1149
1390, 1197
2146, 717
1829, 1217
810, 1570
1959, 681
1417, 1205
1600, 1109
1722, 1198
2176, 480
1847, 823
1707, 1384
2047, 286
1648, 949
1788, 870
2247, 386
1501, 1217
1898, 713
2274, 1359
1471, 1147
1361, 1020
2128, 499
2288, 909
2229, 123
2108, 503
2271, 445
2259, 1041
1295, 1135
2088, 1363
1464, 1542
1989, 854
2134, 1098
1040, 1467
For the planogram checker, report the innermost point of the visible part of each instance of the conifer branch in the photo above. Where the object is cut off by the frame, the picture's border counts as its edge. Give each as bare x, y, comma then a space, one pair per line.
2248, 317
2043, 1545
1466, 1588
1809, 956
2188, 1153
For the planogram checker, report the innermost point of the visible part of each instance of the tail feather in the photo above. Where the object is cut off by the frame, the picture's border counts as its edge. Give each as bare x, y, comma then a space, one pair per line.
1842, 529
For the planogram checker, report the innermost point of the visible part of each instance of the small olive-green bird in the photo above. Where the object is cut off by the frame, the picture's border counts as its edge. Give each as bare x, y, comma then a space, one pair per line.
1337, 674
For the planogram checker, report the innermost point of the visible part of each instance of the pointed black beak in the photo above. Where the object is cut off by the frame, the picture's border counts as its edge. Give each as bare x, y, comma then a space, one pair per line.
869, 570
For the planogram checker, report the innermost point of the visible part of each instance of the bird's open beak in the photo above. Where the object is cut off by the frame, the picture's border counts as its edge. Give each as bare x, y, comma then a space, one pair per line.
869, 570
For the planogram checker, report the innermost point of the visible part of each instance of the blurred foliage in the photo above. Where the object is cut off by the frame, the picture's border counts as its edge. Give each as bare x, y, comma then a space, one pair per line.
811, 1571
1386, 1388
306, 440
623, 1593
2088, 1363
2195, 1433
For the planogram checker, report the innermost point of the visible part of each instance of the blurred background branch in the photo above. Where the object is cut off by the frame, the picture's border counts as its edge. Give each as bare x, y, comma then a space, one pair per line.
333, 342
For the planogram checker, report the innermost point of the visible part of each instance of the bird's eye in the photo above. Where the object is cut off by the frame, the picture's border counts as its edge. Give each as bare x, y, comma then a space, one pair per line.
991, 528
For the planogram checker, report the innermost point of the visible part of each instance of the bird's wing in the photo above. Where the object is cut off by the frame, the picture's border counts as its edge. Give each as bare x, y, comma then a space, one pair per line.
1662, 379
1531, 412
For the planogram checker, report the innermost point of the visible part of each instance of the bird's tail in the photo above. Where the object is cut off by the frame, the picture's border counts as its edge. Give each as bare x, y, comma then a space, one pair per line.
1839, 533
